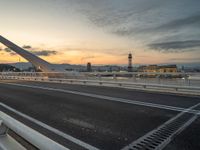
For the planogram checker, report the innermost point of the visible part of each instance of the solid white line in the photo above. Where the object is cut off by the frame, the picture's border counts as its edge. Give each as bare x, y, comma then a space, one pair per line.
122, 100
56, 131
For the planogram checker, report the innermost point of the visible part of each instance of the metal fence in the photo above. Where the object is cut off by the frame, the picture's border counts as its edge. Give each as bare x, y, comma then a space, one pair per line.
172, 85
179, 79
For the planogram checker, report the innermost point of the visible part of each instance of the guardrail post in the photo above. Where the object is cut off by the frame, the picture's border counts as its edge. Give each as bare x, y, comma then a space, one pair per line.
120, 84
134, 78
3, 129
99, 76
158, 79
114, 77
189, 82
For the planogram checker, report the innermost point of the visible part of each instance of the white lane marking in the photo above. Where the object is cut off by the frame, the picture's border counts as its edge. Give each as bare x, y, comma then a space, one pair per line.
122, 100
56, 131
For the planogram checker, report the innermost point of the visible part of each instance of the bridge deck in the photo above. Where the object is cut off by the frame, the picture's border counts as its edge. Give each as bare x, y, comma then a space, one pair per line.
96, 121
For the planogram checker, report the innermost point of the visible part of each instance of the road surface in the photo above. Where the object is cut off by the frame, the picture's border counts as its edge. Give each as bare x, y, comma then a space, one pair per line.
100, 117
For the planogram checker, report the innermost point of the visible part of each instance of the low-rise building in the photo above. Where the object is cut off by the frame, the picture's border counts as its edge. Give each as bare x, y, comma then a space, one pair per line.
151, 68
168, 68
156, 68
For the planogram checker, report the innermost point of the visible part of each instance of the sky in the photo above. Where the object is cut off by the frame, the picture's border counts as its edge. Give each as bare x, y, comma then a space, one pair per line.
102, 31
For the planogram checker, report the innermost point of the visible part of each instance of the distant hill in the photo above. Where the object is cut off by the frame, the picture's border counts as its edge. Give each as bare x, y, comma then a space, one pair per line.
22, 65
26, 65
5, 67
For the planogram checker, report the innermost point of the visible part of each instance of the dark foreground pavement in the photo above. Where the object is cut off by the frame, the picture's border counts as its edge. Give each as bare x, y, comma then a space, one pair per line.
104, 124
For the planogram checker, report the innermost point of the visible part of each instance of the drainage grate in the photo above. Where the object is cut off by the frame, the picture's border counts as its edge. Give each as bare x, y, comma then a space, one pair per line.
160, 137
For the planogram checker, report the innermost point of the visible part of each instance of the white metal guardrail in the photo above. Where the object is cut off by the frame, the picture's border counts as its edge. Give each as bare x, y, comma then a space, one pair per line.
35, 138
100, 73
115, 75
193, 90
179, 78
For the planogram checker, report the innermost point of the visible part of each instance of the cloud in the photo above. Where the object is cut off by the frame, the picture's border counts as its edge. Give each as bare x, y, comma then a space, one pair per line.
122, 18
88, 57
40, 52
110, 51
185, 59
26, 47
175, 46
109, 12
7, 50
13, 53
32, 50
145, 20
193, 21
45, 52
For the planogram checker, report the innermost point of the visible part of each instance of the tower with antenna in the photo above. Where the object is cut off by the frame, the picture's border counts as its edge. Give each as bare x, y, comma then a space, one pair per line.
130, 67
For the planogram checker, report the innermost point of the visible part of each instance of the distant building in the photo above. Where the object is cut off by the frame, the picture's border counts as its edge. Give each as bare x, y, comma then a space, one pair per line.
151, 68
130, 67
156, 68
107, 68
89, 67
141, 68
168, 68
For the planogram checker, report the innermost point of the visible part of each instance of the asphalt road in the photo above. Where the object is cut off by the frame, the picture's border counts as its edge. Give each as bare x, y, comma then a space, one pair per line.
104, 124
188, 139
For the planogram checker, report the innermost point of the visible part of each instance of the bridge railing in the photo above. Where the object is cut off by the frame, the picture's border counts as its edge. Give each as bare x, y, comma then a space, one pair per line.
32, 136
175, 88
180, 79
